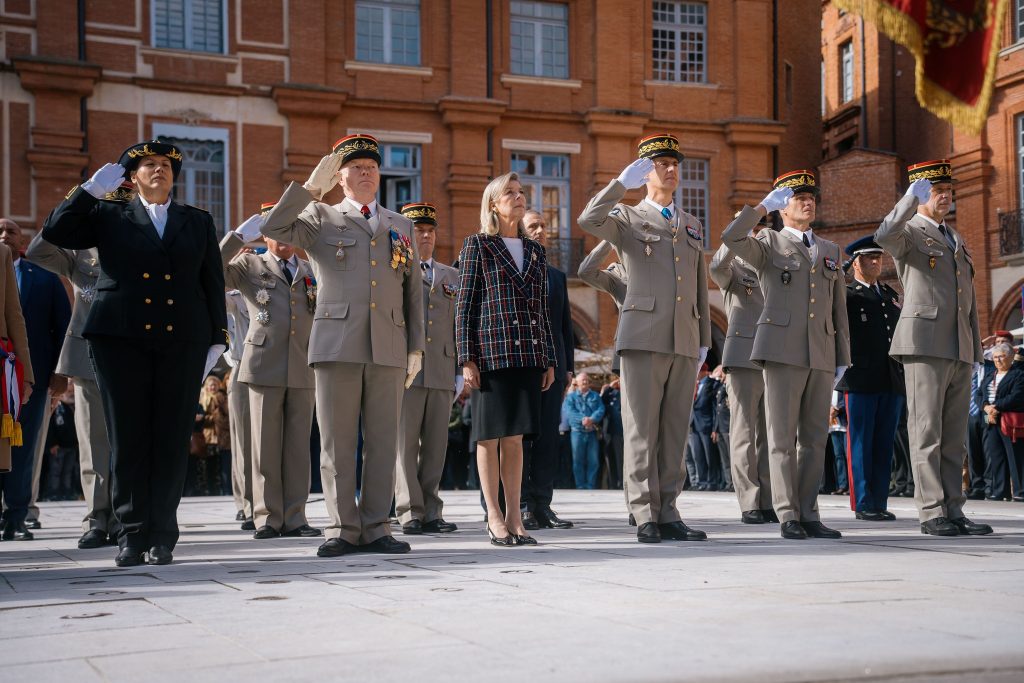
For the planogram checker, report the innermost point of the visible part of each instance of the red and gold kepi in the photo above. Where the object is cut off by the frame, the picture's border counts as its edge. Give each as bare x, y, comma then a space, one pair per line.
124, 194
357, 146
798, 181
420, 212
937, 171
659, 145
265, 207
131, 157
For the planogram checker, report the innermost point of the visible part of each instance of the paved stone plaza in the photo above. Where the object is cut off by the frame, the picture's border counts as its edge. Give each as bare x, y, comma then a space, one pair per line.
589, 604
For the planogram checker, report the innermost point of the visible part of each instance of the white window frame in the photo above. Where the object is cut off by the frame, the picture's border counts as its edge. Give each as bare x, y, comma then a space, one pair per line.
387, 6
846, 72
1019, 130
188, 34
704, 187
1018, 23
400, 172
538, 24
536, 183
678, 29
222, 135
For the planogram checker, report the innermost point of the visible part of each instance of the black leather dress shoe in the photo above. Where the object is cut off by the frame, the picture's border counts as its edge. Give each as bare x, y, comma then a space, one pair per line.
17, 532
412, 528
93, 538
248, 525
265, 532
770, 516
530, 522
159, 554
975, 495
128, 557
870, 516
648, 533
240, 517
819, 530
969, 528
387, 545
752, 517
677, 531
940, 526
34, 524
336, 547
549, 520
632, 520
438, 526
304, 531
887, 516
793, 530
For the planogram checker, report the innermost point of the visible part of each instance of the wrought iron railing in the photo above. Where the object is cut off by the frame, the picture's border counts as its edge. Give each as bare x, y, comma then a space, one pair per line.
1011, 232
566, 254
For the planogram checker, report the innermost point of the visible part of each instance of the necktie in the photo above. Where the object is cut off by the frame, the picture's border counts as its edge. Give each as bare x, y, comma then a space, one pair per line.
286, 270
949, 238
365, 211
667, 213
17, 271
428, 273
807, 242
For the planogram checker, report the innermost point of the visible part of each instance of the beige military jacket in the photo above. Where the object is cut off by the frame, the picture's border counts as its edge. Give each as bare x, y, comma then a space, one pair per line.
82, 268
940, 314
744, 304
439, 307
367, 310
238, 326
277, 343
804, 320
665, 309
610, 280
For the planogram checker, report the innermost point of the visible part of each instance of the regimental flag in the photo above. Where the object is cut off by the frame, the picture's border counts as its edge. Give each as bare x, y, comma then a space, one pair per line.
955, 44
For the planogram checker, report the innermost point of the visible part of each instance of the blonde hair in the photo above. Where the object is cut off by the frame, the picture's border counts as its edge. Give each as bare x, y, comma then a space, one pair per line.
488, 216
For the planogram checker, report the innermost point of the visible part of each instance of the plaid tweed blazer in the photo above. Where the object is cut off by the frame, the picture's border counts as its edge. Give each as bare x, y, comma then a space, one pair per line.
501, 314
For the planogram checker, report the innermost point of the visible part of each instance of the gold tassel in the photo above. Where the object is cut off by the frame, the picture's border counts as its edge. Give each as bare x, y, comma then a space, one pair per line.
7, 426
16, 436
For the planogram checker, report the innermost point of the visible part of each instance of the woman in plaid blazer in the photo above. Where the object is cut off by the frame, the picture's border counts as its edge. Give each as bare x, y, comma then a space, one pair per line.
505, 347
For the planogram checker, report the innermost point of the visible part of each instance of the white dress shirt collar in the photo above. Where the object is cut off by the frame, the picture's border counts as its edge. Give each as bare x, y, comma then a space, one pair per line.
659, 207
800, 234
359, 207
157, 214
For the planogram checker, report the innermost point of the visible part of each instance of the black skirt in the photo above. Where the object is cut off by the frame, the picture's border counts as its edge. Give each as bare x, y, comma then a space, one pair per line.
507, 404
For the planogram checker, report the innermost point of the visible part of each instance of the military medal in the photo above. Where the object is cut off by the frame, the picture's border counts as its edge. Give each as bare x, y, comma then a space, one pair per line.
401, 251
449, 290
87, 294
931, 262
647, 249
749, 290
340, 254
863, 317
693, 232
310, 283
263, 316
787, 277
263, 298
830, 263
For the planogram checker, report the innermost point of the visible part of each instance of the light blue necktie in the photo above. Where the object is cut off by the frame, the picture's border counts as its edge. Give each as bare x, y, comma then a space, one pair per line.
667, 213
18, 273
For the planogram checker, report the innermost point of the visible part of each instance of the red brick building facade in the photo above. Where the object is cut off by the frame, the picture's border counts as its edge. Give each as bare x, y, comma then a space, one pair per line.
457, 90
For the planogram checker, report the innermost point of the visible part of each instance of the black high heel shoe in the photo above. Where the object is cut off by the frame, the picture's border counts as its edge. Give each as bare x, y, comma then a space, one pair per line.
524, 539
504, 542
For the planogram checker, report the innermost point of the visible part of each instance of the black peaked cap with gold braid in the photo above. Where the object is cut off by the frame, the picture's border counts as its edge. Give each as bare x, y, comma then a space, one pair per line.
420, 212
937, 171
131, 157
659, 145
357, 146
798, 181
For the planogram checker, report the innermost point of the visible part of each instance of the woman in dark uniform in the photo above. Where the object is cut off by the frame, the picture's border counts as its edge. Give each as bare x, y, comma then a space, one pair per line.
156, 326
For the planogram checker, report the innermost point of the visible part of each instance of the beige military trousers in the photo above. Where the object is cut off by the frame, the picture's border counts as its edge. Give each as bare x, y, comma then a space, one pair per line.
282, 420
748, 439
93, 456
37, 460
421, 451
241, 447
796, 402
938, 402
344, 390
657, 399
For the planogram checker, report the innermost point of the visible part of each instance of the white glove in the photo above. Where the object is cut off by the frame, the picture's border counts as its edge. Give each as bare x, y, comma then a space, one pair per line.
105, 180
777, 199
324, 177
840, 371
212, 356
922, 189
702, 355
250, 229
635, 175
414, 367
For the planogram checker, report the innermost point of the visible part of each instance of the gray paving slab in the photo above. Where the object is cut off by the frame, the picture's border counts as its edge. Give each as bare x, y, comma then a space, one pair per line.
885, 603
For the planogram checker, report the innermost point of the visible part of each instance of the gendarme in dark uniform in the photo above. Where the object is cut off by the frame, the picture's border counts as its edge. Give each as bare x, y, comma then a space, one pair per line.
872, 385
157, 317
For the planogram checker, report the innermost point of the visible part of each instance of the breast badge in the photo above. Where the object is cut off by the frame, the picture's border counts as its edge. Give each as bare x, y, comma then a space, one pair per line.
787, 277
830, 263
401, 251
449, 290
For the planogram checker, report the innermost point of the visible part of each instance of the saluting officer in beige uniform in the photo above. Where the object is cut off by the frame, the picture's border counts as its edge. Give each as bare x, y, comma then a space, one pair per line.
238, 410
427, 404
663, 333
367, 339
748, 433
937, 340
801, 338
280, 294
82, 268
